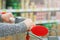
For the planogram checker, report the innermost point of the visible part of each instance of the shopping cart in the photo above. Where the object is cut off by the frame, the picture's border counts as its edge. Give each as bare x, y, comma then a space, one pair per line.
48, 23
51, 24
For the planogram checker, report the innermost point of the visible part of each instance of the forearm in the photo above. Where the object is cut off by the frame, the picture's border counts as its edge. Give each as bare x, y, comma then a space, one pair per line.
10, 29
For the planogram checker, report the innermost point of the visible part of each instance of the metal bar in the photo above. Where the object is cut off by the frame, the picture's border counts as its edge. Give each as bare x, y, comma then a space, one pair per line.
30, 10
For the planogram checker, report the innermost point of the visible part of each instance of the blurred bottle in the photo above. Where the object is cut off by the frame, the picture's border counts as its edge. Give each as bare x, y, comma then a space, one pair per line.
14, 4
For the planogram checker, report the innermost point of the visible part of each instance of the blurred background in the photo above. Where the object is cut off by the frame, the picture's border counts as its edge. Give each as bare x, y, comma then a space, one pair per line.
42, 12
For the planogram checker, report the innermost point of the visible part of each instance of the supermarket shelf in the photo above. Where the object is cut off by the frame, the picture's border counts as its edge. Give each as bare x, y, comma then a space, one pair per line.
30, 10
47, 21
40, 21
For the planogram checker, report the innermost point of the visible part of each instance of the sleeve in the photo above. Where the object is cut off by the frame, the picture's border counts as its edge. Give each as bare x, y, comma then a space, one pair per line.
10, 29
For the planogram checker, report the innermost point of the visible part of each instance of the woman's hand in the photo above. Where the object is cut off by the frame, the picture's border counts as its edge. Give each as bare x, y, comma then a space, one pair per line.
6, 17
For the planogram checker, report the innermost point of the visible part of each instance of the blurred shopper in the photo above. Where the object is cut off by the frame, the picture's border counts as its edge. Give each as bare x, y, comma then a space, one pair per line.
9, 29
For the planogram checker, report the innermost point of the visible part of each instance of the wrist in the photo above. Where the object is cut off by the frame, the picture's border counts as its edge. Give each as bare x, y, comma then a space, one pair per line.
29, 23
26, 25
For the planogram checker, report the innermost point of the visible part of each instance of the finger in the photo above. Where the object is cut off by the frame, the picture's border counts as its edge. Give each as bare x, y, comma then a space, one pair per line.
8, 17
5, 18
10, 14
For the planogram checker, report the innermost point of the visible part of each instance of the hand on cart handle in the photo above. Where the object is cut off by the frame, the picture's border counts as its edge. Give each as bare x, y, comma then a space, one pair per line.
29, 23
